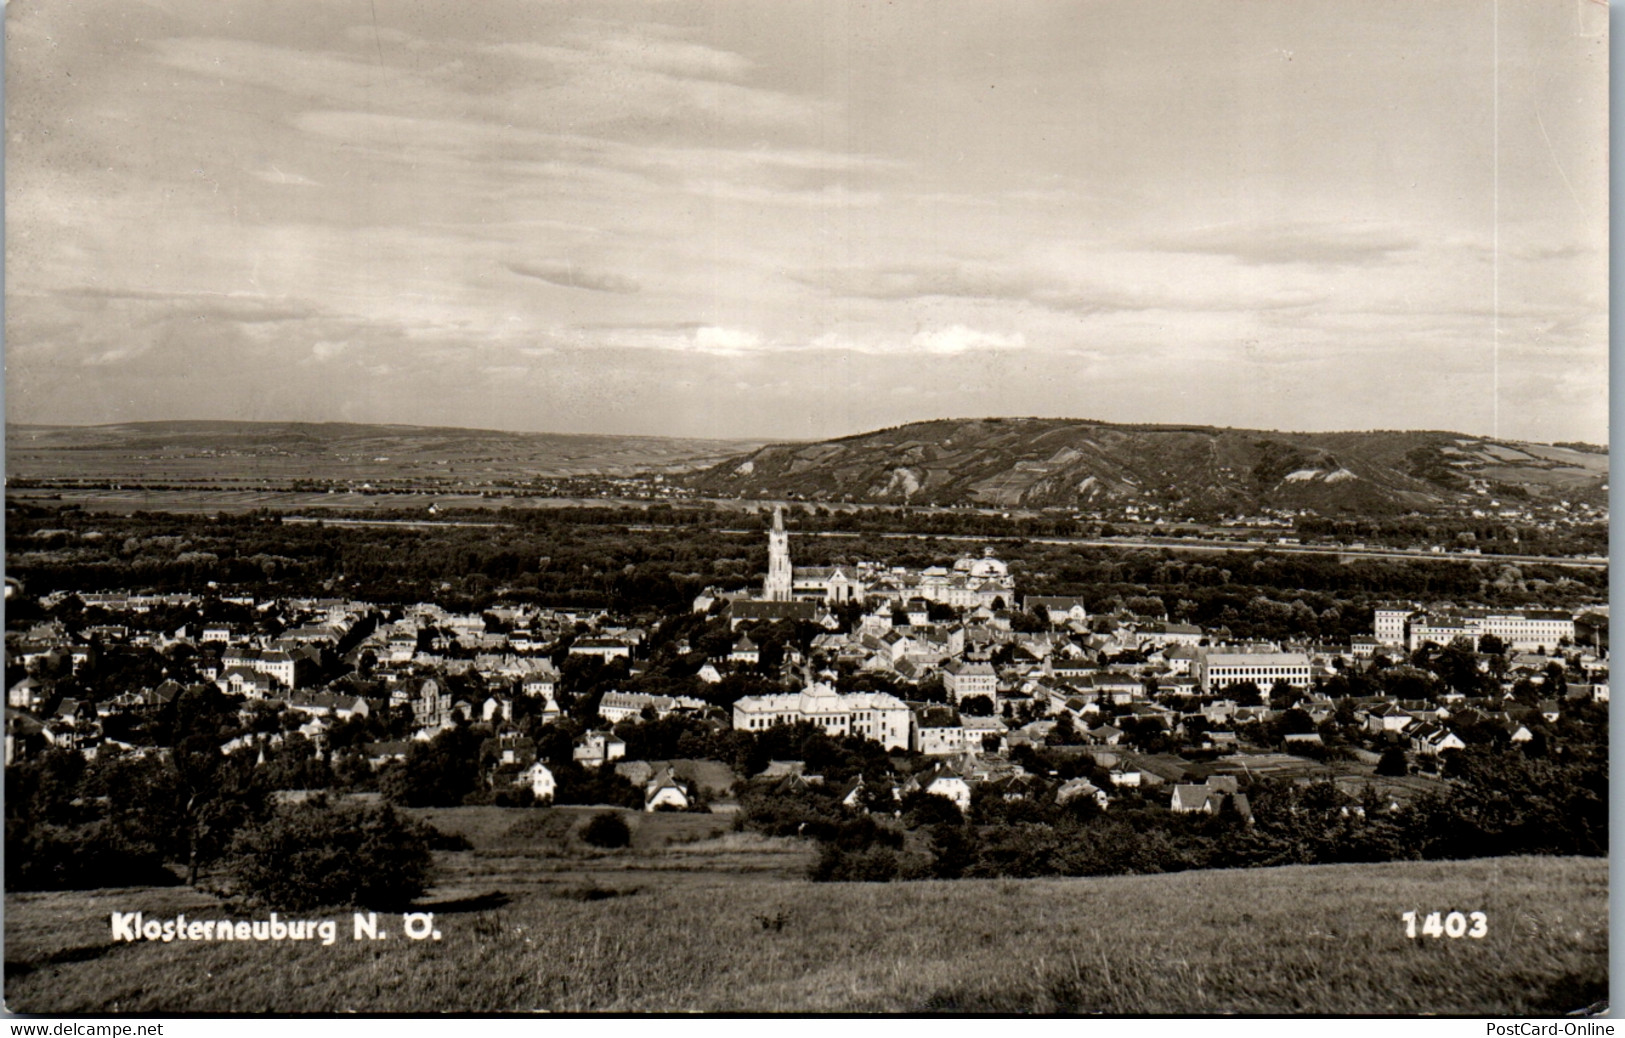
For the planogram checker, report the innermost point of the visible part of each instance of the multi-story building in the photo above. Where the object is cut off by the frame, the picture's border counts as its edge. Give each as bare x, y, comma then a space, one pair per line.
1215, 670
876, 716
963, 678
1389, 622
1520, 631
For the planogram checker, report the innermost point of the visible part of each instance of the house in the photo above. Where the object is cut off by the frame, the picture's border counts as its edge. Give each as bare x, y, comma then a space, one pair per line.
851, 794
666, 791
1080, 788
1180, 659
539, 779
595, 749
1387, 718
938, 732
515, 750
1122, 775
1162, 635
381, 753
541, 683
1057, 611
26, 694
1431, 739
943, 781
616, 707
745, 651
962, 679
243, 681
605, 649
978, 730
1211, 797
1106, 735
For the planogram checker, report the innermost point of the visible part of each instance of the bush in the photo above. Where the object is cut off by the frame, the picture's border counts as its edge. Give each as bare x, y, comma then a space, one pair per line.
316, 855
607, 829
51, 857
1393, 763
870, 865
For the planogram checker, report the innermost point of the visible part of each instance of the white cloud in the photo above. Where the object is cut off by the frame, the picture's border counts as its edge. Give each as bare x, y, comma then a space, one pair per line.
728, 341
960, 339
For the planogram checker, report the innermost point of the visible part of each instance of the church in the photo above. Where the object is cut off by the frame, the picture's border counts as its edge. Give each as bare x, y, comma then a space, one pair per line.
972, 583
787, 583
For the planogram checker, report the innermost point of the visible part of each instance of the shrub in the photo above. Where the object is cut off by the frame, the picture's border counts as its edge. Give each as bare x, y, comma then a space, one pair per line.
607, 829
316, 855
1393, 762
51, 857
870, 865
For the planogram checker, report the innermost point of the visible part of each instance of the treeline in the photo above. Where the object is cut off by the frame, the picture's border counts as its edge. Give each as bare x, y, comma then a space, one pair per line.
1496, 802
592, 558
1492, 536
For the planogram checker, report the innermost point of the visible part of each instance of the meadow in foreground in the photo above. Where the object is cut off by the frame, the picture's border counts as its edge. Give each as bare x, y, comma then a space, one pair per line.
692, 918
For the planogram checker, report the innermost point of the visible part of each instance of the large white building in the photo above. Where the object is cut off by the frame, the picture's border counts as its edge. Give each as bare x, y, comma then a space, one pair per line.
1521, 630
1215, 670
962, 678
876, 716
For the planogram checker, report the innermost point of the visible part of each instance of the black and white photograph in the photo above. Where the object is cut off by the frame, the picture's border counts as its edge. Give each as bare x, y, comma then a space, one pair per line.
807, 507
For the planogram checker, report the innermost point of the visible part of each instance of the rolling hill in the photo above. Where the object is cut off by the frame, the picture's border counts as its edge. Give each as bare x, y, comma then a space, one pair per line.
208, 450
1039, 462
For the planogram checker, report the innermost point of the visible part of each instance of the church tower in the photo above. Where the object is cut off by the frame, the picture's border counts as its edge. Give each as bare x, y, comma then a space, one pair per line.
777, 586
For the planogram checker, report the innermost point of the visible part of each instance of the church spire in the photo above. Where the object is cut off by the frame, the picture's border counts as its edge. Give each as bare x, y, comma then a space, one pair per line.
780, 576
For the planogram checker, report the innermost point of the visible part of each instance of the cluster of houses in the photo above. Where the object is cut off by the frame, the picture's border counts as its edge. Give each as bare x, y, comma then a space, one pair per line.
287, 664
1003, 683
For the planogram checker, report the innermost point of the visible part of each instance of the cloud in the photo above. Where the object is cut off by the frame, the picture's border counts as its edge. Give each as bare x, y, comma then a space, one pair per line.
277, 176
726, 340
960, 339
571, 276
953, 340
325, 350
1315, 243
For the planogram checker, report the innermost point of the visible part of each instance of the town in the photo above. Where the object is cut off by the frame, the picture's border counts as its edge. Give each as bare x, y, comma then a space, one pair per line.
961, 687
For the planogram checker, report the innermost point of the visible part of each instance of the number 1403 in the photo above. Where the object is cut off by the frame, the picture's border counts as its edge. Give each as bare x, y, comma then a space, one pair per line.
1475, 925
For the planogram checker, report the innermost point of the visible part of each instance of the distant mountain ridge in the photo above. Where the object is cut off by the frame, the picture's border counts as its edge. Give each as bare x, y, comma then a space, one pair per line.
1075, 463
342, 449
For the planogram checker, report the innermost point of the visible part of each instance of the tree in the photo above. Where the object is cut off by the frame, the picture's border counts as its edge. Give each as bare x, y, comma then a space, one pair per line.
607, 829
976, 706
1393, 763
1244, 693
315, 855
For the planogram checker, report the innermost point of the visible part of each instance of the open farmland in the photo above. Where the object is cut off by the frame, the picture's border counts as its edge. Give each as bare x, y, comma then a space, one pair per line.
695, 917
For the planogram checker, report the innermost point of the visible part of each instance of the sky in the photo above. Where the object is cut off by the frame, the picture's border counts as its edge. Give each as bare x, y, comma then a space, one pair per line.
789, 219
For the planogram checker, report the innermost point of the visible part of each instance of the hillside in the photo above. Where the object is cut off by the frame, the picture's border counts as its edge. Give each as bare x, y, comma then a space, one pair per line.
1037, 462
209, 450
532, 923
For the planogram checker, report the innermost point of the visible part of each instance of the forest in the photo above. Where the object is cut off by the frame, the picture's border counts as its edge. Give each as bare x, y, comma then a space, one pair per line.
592, 557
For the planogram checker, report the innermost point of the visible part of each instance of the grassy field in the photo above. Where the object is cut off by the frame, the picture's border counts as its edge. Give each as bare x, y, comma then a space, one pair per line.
694, 917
